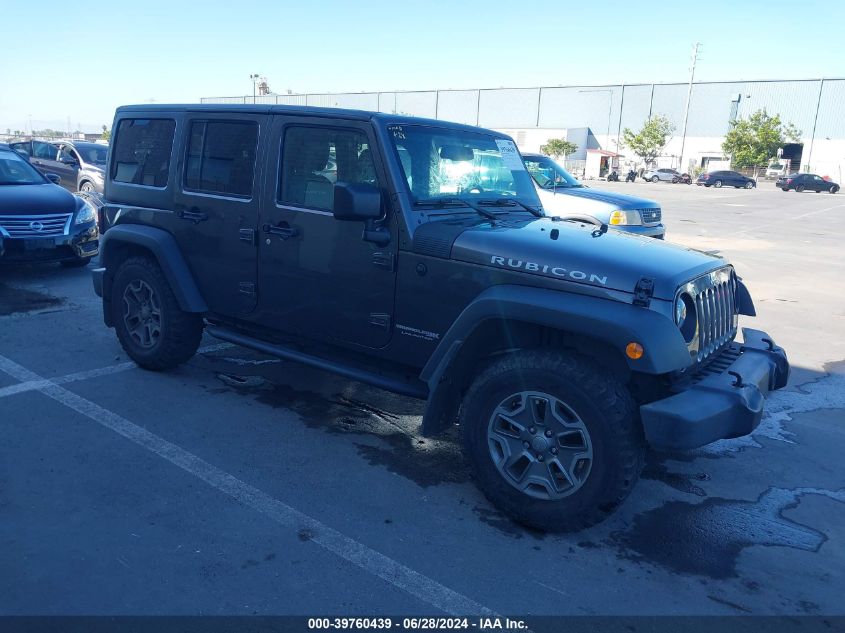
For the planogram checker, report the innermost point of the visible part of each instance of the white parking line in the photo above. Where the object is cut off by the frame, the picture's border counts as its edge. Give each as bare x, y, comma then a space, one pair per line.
32, 385
376, 563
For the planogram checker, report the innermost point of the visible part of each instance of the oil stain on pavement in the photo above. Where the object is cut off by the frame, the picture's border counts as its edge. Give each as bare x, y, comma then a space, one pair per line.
706, 538
17, 300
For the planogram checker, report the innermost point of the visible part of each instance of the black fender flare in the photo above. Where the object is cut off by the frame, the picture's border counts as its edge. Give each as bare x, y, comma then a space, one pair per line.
612, 322
166, 251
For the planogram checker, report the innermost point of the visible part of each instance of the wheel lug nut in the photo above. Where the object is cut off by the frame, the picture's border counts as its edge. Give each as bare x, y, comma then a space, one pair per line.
532, 430
526, 444
554, 451
548, 433
539, 458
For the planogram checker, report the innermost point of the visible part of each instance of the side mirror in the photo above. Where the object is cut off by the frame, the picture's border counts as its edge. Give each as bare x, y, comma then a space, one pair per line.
54, 178
356, 201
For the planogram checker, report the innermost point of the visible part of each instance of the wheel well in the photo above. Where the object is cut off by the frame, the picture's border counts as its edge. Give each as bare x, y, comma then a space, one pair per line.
493, 337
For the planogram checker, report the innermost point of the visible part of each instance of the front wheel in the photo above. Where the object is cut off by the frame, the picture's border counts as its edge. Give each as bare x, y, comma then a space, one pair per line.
749, 185
717, 184
553, 439
784, 188
833, 189
654, 179
86, 186
151, 327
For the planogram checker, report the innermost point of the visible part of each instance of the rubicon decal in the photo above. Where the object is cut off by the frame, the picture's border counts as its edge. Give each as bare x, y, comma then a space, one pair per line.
557, 271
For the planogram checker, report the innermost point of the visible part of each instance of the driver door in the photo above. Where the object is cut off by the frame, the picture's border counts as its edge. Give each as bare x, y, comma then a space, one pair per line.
317, 277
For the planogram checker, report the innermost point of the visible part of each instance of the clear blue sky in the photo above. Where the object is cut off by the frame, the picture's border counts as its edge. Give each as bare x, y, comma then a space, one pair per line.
114, 53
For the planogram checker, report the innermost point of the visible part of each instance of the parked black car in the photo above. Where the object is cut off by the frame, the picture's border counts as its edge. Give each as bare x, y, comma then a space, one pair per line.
426, 266
40, 221
806, 182
79, 163
726, 179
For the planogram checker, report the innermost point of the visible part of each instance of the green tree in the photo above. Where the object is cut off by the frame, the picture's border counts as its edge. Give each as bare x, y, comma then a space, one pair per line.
649, 142
754, 141
557, 147
106, 133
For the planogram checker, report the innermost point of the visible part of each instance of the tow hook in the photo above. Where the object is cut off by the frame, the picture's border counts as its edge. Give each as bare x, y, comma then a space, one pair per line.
738, 382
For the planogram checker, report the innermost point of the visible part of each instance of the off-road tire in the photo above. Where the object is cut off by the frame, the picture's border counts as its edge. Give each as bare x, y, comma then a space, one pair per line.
180, 332
604, 405
76, 263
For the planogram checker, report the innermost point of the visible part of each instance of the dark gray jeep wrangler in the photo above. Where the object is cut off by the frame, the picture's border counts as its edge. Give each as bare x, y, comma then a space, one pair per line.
414, 255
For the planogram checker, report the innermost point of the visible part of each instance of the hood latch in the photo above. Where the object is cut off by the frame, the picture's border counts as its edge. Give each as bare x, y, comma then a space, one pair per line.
643, 292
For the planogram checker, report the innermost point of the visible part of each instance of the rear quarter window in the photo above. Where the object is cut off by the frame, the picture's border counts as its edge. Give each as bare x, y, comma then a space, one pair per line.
142, 149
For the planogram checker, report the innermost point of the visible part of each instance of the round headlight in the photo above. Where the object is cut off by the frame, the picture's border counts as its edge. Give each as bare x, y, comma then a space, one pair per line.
685, 316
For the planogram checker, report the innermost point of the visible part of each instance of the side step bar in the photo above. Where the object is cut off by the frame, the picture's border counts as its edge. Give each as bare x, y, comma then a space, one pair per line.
395, 385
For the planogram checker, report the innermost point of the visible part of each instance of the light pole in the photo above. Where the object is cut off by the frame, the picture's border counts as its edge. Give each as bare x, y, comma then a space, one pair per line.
254, 78
609, 112
689, 95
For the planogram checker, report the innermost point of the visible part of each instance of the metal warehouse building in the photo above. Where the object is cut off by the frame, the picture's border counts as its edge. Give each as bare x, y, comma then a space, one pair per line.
593, 117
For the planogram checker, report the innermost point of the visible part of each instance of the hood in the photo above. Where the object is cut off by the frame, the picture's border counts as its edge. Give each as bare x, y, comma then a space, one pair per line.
613, 260
35, 199
589, 201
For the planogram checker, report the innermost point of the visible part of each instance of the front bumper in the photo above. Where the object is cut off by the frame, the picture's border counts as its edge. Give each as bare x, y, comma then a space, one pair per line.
723, 400
82, 242
654, 230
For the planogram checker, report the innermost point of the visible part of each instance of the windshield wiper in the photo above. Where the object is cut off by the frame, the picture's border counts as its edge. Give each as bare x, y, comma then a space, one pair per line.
509, 202
440, 203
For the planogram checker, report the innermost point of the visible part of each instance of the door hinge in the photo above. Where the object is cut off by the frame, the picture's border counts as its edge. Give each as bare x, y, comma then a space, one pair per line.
246, 288
643, 292
384, 260
247, 235
380, 319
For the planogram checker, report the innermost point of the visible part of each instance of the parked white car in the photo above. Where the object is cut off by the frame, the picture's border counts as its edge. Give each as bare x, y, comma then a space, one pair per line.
564, 196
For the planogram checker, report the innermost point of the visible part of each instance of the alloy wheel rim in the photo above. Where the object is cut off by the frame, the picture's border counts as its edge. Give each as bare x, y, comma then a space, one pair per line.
142, 313
540, 445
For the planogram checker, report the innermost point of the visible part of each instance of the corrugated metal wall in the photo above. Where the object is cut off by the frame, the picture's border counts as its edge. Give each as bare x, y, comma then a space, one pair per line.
710, 109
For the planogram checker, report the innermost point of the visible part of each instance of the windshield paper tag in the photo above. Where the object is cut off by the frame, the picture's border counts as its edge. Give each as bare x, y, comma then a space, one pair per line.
510, 155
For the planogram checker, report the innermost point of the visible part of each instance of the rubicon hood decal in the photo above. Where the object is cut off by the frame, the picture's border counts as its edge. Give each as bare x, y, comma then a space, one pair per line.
548, 269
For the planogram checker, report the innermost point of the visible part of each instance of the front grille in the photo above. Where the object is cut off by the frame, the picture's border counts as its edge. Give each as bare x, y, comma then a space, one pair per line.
714, 296
651, 216
34, 225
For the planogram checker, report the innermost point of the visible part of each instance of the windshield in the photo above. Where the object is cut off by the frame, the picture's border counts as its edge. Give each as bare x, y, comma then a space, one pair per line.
16, 171
549, 175
93, 153
442, 164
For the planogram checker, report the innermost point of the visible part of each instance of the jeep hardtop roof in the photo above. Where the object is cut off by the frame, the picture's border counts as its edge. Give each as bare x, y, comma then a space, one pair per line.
339, 113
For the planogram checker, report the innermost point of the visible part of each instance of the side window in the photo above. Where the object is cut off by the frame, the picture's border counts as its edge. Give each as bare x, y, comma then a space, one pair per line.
141, 154
313, 159
21, 148
47, 151
67, 153
221, 157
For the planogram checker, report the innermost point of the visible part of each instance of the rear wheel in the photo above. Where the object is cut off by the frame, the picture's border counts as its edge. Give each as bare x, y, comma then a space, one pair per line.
717, 184
654, 179
784, 188
153, 330
553, 439
799, 188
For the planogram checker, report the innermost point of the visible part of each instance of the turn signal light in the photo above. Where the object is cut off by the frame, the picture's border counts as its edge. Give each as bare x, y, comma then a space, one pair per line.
634, 351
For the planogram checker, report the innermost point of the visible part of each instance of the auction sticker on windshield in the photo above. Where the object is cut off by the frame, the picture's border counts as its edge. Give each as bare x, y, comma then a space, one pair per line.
510, 155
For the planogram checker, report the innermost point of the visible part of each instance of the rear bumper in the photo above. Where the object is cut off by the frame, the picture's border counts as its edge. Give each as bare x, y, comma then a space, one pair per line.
717, 405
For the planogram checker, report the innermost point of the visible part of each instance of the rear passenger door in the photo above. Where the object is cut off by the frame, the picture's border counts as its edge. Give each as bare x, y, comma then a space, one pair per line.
216, 205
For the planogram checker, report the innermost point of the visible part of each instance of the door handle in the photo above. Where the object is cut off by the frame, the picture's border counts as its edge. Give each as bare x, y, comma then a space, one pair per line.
194, 215
282, 229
